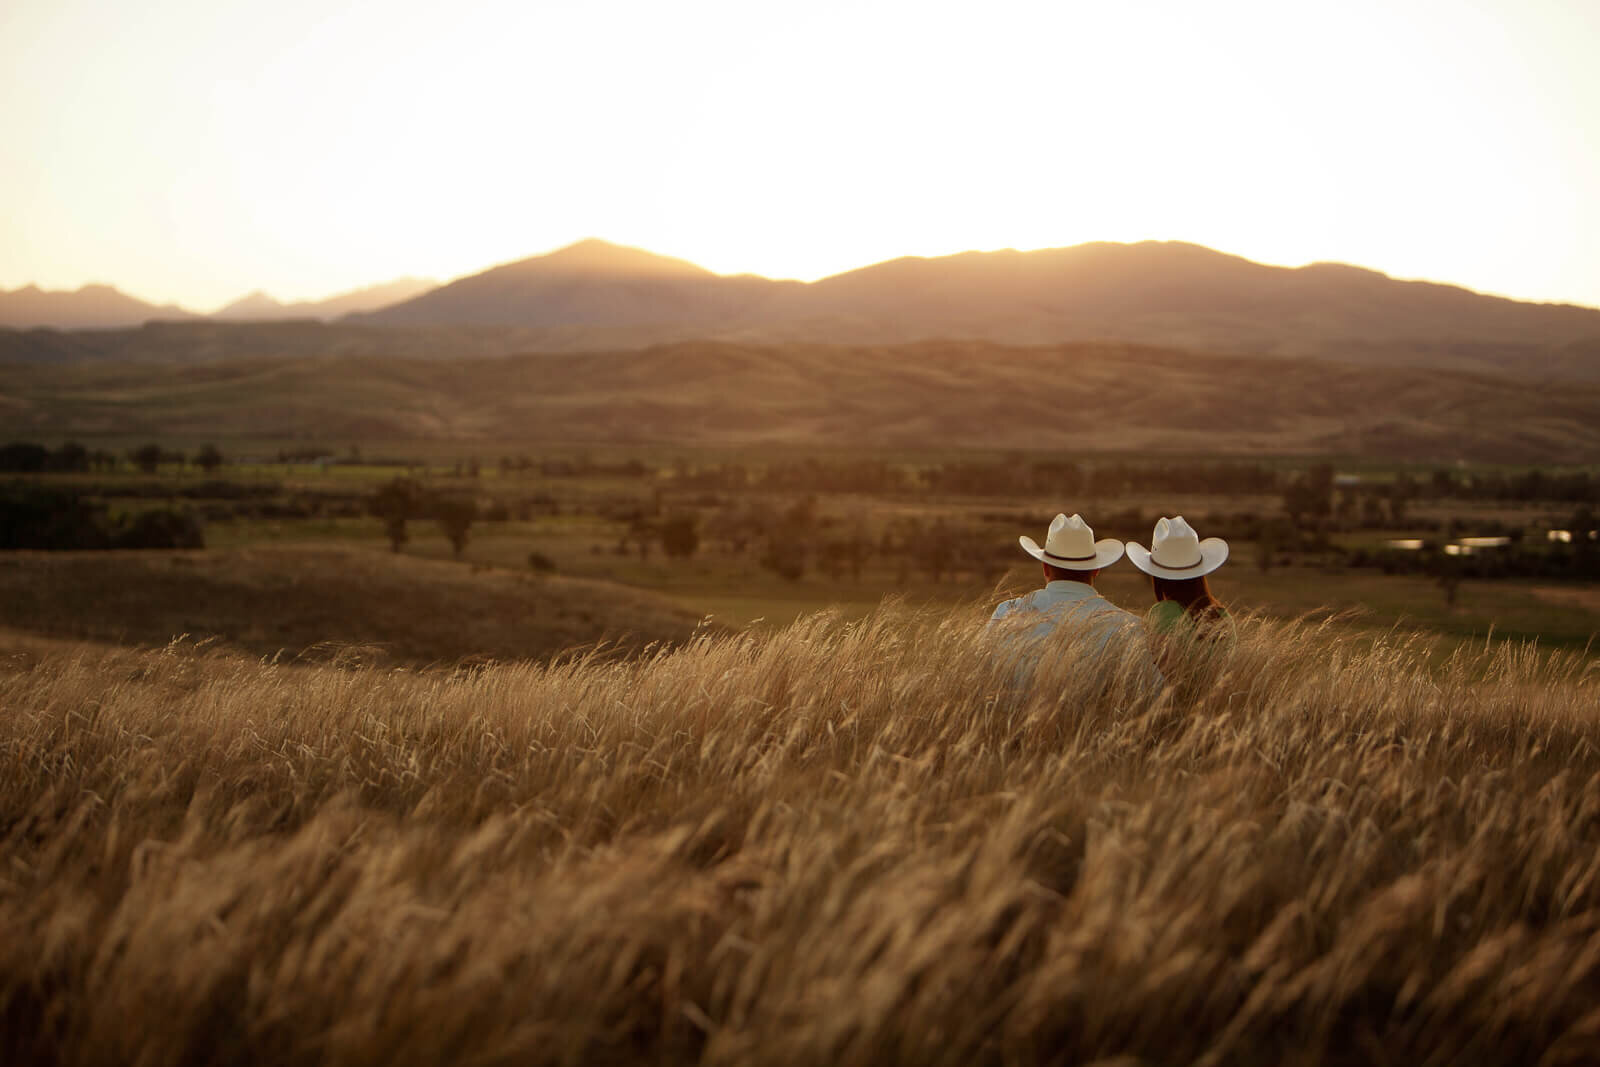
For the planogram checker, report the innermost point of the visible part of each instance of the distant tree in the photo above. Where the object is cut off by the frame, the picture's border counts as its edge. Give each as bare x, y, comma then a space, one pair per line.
641, 531
1310, 495
680, 534
789, 539
455, 513
70, 457
24, 457
1371, 511
1319, 484
208, 459
935, 554
395, 501
1446, 570
1269, 537
147, 457
785, 555
1585, 529
735, 528
47, 517
161, 528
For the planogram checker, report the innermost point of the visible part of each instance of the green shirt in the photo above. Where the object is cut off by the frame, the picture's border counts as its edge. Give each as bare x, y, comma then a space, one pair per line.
1169, 617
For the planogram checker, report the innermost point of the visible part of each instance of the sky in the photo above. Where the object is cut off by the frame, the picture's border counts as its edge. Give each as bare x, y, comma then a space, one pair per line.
190, 151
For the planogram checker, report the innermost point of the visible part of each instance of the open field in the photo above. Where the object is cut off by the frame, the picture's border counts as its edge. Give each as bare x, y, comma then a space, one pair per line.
322, 601
595, 515
832, 844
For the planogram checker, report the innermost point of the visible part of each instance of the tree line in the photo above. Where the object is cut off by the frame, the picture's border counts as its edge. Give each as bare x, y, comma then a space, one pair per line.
27, 457
52, 518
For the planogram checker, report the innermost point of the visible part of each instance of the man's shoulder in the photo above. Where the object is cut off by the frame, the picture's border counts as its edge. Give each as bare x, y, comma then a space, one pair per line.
1097, 602
1006, 607
1104, 609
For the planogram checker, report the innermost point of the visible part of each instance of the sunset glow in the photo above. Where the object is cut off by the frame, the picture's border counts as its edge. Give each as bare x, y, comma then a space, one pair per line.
192, 151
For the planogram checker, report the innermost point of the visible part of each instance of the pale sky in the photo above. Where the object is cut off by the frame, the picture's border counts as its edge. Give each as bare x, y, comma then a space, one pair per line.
192, 150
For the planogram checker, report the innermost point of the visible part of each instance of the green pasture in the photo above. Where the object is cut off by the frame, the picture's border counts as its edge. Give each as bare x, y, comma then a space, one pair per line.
738, 591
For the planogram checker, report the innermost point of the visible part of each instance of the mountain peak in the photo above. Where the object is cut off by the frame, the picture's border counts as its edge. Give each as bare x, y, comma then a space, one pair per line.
594, 256
252, 304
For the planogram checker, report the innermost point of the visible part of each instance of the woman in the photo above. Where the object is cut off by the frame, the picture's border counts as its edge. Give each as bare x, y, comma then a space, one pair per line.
1177, 562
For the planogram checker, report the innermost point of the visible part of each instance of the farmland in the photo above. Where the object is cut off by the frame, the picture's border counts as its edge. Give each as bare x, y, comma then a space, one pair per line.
552, 793
774, 534
830, 843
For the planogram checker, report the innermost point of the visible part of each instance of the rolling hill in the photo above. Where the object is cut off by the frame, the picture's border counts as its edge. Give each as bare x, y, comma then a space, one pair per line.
589, 284
321, 602
1158, 293
595, 296
90, 308
261, 307
1186, 296
1076, 397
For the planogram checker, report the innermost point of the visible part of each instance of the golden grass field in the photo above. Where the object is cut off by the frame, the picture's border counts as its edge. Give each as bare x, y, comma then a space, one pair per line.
840, 842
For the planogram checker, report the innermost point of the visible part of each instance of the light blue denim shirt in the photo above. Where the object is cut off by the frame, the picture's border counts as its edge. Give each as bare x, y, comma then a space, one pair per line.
1030, 619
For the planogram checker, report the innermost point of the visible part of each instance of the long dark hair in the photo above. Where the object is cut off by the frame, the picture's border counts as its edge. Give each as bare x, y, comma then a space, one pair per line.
1193, 593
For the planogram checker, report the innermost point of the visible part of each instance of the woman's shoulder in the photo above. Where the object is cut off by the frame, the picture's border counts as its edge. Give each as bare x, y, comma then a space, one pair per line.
1164, 614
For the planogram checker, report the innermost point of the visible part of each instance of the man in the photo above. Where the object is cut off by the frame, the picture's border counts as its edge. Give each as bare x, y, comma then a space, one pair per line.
1072, 559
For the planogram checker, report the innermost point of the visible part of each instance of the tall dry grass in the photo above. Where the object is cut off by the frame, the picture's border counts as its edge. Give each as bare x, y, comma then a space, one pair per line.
844, 843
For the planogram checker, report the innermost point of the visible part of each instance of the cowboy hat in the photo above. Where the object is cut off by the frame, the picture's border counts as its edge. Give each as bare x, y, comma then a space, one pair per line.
1176, 551
1070, 545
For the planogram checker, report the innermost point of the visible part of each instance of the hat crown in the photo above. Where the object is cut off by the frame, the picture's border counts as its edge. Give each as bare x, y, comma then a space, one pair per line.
1070, 539
1175, 544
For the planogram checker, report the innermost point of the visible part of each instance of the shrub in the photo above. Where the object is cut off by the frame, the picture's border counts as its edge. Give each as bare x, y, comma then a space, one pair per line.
680, 534
44, 517
160, 528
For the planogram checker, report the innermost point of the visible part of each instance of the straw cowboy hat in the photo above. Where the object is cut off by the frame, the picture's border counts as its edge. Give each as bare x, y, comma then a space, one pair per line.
1070, 545
1176, 551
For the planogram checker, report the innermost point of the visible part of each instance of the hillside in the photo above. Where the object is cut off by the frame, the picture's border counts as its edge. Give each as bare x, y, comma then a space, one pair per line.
1072, 397
90, 307
590, 284
262, 307
323, 603
1186, 296
595, 296
1159, 293
210, 341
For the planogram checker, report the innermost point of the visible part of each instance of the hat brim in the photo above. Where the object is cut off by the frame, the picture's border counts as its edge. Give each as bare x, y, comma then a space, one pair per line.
1107, 551
1213, 553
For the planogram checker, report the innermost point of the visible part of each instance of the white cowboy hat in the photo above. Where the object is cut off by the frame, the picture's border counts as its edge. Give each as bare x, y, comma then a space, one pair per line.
1070, 545
1176, 551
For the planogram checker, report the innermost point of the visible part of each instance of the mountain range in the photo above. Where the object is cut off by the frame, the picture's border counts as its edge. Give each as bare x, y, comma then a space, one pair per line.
261, 307
596, 296
98, 307
91, 307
